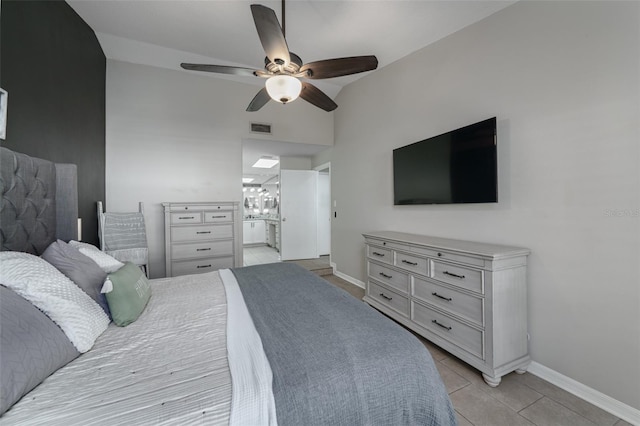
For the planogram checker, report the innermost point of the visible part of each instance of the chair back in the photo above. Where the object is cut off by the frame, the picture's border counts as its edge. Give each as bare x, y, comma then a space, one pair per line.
124, 231
124, 236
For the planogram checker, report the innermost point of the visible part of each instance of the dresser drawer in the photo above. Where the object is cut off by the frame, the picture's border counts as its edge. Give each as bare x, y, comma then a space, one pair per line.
205, 249
443, 255
462, 335
470, 279
186, 217
177, 207
220, 216
380, 254
456, 302
204, 232
391, 277
199, 266
376, 242
389, 298
411, 263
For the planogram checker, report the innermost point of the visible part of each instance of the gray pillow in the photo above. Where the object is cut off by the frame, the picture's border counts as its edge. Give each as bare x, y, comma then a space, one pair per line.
78, 268
32, 347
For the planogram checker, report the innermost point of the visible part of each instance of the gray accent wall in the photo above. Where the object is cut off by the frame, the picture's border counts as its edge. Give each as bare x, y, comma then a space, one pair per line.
563, 79
53, 69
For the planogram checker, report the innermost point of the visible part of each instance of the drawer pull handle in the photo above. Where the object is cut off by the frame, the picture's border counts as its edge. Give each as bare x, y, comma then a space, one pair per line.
448, 299
375, 253
385, 275
410, 263
186, 217
454, 275
208, 232
203, 249
441, 325
385, 296
219, 217
203, 266
439, 254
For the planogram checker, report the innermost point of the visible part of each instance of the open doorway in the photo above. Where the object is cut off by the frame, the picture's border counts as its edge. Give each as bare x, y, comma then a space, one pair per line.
262, 224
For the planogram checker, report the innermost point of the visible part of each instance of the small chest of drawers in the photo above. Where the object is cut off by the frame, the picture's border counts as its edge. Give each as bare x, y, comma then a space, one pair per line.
201, 237
468, 298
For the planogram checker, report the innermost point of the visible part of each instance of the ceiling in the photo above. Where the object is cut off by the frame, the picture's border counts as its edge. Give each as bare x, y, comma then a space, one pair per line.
167, 32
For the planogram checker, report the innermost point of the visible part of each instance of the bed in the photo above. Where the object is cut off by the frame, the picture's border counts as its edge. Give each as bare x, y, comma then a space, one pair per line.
267, 344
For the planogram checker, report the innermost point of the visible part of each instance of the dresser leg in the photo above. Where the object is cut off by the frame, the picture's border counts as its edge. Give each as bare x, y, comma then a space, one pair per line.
492, 381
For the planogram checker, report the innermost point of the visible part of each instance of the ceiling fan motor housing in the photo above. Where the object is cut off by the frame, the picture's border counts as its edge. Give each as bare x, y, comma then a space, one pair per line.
278, 66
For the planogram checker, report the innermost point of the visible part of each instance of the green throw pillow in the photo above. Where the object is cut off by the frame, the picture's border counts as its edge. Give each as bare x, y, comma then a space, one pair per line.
130, 294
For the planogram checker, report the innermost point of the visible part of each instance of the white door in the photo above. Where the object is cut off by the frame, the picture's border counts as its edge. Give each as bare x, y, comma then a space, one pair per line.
324, 213
298, 214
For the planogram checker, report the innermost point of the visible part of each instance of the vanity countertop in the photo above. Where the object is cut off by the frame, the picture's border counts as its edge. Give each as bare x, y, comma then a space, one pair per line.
266, 218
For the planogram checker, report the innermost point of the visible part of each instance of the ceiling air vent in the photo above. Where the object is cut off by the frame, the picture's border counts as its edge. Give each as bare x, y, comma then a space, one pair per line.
261, 128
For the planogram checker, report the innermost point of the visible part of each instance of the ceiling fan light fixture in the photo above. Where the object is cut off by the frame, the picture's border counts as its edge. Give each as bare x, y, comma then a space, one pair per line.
283, 88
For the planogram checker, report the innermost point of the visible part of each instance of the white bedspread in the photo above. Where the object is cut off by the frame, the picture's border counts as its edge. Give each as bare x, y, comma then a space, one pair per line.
168, 367
252, 402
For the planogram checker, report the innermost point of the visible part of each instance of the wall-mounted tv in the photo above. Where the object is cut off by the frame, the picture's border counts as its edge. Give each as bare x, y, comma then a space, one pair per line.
456, 167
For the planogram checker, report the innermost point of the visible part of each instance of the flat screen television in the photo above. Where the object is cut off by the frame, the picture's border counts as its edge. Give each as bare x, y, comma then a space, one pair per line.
456, 167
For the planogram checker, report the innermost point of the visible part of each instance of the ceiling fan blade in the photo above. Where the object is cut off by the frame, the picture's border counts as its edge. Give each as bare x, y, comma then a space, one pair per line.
315, 96
270, 33
221, 69
259, 100
330, 68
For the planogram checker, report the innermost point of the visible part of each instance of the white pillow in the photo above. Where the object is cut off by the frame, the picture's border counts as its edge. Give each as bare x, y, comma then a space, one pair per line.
81, 319
107, 263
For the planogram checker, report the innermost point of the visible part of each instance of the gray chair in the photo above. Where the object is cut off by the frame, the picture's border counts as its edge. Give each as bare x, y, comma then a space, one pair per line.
124, 236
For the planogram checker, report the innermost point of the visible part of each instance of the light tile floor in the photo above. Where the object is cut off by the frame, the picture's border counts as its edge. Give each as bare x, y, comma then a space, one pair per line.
257, 255
518, 400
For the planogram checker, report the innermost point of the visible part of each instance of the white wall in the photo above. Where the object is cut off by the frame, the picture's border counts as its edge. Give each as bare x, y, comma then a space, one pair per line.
563, 80
295, 163
176, 136
321, 158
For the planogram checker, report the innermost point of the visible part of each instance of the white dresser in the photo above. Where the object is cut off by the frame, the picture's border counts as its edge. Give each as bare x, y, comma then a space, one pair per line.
468, 298
201, 237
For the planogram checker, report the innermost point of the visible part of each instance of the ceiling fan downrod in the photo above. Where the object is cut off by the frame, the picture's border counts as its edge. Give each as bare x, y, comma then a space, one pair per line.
284, 30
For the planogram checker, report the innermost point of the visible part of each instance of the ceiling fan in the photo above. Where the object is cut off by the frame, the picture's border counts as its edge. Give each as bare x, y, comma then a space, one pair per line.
284, 69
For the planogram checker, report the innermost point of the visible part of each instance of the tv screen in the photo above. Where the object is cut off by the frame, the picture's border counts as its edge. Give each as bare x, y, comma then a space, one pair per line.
456, 167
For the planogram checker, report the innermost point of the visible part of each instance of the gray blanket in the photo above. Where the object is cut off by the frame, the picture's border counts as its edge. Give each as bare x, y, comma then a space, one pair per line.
335, 360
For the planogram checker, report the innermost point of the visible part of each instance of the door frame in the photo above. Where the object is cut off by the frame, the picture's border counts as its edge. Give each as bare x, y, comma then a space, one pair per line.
322, 167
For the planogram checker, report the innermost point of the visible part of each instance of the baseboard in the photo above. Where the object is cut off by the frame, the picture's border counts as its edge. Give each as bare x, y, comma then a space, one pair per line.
600, 400
347, 277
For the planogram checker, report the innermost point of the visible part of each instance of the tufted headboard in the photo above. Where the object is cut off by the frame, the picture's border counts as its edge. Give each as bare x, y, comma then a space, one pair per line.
38, 202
